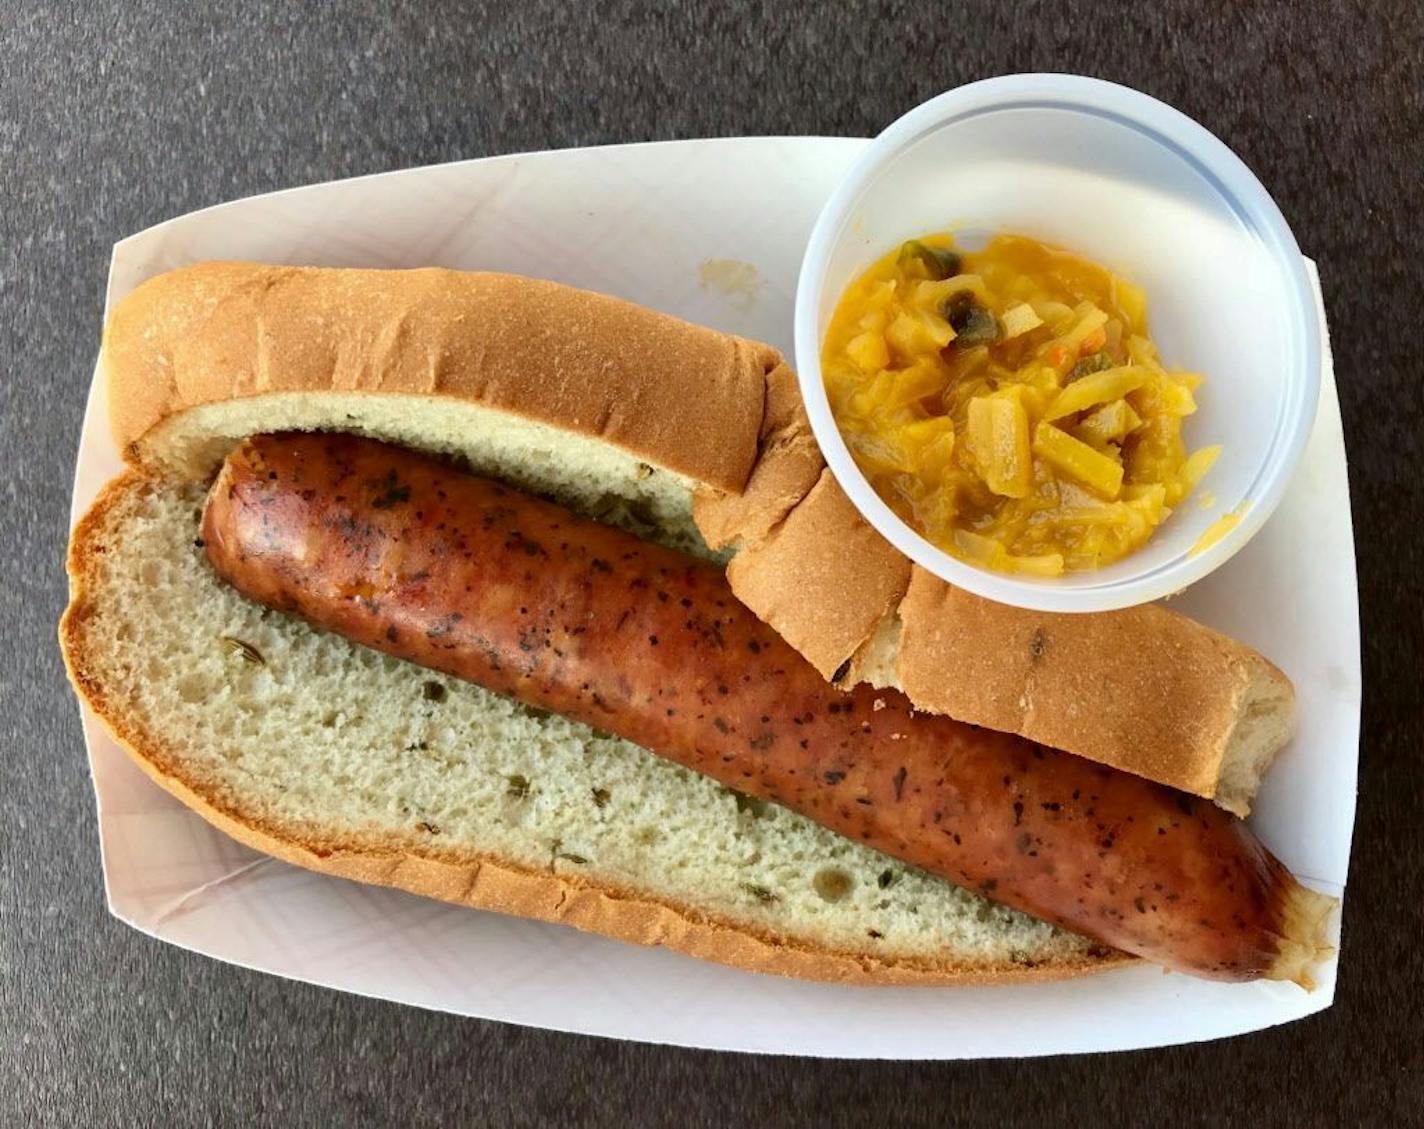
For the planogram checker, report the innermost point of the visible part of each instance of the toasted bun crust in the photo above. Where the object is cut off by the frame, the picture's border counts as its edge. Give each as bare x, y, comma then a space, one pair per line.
823, 578
1143, 689
477, 880
676, 395
788, 465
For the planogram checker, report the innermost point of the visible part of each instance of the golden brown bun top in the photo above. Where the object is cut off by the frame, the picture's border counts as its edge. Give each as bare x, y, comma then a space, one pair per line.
674, 394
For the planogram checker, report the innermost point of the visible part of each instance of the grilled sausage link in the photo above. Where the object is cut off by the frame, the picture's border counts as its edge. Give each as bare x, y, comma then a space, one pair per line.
407, 555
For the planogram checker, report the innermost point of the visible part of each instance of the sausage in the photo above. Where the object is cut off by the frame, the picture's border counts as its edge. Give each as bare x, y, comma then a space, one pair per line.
408, 555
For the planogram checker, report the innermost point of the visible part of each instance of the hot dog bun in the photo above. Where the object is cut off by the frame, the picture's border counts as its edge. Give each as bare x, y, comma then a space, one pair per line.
330, 756
697, 438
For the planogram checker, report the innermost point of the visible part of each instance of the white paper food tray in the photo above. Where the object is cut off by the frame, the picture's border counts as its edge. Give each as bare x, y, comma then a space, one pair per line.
712, 231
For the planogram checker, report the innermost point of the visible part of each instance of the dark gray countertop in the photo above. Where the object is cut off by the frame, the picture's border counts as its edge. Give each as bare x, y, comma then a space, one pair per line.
117, 113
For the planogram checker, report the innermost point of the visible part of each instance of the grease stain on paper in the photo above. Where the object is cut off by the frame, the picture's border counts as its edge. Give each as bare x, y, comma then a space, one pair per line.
735, 279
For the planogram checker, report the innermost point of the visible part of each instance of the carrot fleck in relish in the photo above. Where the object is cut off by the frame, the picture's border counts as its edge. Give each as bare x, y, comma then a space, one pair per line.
1009, 404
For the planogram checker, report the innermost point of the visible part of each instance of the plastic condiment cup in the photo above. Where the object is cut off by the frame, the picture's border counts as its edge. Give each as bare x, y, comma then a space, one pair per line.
1131, 183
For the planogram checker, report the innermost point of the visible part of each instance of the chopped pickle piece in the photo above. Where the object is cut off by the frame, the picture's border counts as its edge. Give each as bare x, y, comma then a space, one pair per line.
1090, 320
1150, 501
928, 443
977, 327
936, 262
998, 430
1009, 404
1178, 398
1097, 389
988, 552
1109, 424
869, 351
1141, 351
1100, 361
912, 334
911, 385
1131, 299
1077, 460
1056, 315
1018, 320
938, 295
